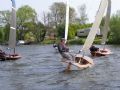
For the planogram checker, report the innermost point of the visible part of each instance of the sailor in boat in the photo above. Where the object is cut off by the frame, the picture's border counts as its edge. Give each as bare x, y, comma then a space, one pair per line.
94, 49
71, 58
2, 54
64, 50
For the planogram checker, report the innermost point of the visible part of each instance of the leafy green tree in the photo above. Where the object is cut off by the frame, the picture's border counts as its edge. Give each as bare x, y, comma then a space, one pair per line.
6, 32
29, 37
40, 32
35, 30
24, 14
72, 31
61, 31
1, 35
74, 27
5, 16
29, 28
115, 28
5, 20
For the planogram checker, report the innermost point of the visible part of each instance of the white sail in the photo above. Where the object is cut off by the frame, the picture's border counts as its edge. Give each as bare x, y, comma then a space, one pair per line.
12, 35
95, 25
67, 20
106, 25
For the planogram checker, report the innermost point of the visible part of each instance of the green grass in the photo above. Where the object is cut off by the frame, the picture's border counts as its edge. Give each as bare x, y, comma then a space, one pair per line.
76, 41
79, 41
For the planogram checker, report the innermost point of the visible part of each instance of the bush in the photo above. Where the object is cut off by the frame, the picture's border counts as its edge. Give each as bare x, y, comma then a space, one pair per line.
114, 37
72, 30
1, 35
97, 41
61, 31
47, 41
76, 41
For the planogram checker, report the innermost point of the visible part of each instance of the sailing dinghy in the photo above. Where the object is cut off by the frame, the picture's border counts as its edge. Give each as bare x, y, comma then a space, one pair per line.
12, 36
104, 51
79, 61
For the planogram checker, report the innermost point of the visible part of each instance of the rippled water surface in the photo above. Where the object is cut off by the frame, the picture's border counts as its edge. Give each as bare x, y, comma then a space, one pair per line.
40, 69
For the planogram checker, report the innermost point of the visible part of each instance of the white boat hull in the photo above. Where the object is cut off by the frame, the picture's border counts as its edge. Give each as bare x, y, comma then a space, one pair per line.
101, 52
73, 65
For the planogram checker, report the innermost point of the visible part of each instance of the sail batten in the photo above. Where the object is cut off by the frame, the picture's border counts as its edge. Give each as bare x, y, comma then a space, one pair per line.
67, 20
12, 35
95, 26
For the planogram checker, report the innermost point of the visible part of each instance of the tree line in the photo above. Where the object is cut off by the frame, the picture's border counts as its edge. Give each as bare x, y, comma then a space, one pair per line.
29, 28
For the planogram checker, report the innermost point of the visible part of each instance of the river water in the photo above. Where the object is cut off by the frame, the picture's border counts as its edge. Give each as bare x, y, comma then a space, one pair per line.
40, 69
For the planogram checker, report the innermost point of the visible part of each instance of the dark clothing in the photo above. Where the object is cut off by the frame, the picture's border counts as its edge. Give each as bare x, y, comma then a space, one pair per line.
64, 51
2, 54
94, 49
62, 48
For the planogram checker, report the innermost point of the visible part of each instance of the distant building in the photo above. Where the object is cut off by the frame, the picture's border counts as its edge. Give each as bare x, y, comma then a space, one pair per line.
85, 32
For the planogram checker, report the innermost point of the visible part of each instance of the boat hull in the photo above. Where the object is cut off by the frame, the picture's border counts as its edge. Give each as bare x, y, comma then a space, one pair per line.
79, 63
11, 57
101, 52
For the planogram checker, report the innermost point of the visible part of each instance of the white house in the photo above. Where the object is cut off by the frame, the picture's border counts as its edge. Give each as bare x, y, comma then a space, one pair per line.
85, 32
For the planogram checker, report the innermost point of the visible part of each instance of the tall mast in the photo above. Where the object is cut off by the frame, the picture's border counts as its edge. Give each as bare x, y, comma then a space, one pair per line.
12, 35
67, 20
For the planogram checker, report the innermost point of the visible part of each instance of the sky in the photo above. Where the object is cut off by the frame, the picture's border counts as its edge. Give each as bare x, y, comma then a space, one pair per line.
43, 6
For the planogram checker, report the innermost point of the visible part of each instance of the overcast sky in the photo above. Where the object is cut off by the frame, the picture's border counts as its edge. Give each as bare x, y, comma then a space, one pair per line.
43, 5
